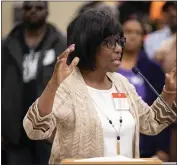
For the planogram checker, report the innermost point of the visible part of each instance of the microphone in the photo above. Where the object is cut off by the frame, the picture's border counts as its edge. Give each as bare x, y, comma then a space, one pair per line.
137, 71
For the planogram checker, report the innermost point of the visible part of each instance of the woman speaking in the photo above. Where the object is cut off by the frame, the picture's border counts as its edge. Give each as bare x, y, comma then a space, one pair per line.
95, 111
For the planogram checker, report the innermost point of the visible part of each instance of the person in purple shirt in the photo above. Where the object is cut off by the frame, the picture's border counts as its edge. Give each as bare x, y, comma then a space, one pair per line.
136, 80
134, 55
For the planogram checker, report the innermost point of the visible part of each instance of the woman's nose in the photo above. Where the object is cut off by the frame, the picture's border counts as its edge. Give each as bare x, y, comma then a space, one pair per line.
118, 48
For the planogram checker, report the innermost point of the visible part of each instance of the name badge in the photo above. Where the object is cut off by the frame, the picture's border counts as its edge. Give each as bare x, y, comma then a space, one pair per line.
120, 101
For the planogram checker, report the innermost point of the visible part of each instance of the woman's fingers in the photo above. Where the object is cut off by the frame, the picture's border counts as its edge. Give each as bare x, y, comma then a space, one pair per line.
66, 52
62, 59
74, 62
171, 77
167, 75
174, 74
173, 69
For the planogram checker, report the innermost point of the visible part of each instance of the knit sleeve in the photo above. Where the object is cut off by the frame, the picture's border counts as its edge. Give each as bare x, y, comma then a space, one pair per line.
37, 127
153, 119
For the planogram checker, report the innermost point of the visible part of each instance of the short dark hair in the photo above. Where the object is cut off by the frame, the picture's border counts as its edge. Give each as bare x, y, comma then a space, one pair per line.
136, 17
87, 31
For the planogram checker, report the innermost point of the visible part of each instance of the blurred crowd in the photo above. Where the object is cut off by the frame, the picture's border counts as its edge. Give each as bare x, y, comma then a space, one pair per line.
30, 50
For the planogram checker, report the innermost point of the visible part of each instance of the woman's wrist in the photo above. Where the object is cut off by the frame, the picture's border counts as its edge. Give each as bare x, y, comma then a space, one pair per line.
168, 97
168, 91
53, 84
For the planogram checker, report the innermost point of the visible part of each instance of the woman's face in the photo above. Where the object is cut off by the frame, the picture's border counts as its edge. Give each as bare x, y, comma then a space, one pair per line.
108, 56
133, 32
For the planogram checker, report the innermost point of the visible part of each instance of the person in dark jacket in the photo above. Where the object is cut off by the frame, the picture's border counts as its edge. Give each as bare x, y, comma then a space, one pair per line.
134, 55
29, 54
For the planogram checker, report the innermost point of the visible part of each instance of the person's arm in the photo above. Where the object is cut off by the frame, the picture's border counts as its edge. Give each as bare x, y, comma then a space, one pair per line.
153, 119
40, 120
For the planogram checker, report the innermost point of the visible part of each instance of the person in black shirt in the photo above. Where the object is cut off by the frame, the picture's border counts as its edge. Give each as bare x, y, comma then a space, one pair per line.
28, 57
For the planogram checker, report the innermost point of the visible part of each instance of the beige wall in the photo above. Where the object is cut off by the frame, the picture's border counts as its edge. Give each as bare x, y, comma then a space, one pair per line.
60, 14
6, 17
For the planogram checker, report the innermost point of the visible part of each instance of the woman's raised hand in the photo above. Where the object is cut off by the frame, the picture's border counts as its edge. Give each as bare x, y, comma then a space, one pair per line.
62, 70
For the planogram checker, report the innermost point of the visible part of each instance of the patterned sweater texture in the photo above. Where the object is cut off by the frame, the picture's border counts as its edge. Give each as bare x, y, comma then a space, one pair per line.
79, 132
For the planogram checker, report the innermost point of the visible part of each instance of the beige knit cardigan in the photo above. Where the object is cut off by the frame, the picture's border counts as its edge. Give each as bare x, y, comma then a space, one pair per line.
79, 132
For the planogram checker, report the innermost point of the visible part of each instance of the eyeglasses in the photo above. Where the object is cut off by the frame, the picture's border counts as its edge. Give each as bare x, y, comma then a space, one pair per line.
111, 42
37, 7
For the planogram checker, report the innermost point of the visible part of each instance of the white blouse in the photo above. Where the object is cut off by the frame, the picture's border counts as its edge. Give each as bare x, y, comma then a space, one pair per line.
104, 104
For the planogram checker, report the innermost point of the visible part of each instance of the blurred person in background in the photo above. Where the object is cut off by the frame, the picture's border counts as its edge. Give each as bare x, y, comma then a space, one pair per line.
154, 40
156, 15
127, 8
166, 54
134, 55
110, 7
28, 58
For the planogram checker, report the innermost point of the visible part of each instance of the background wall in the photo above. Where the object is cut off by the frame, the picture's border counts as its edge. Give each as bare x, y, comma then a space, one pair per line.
60, 14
